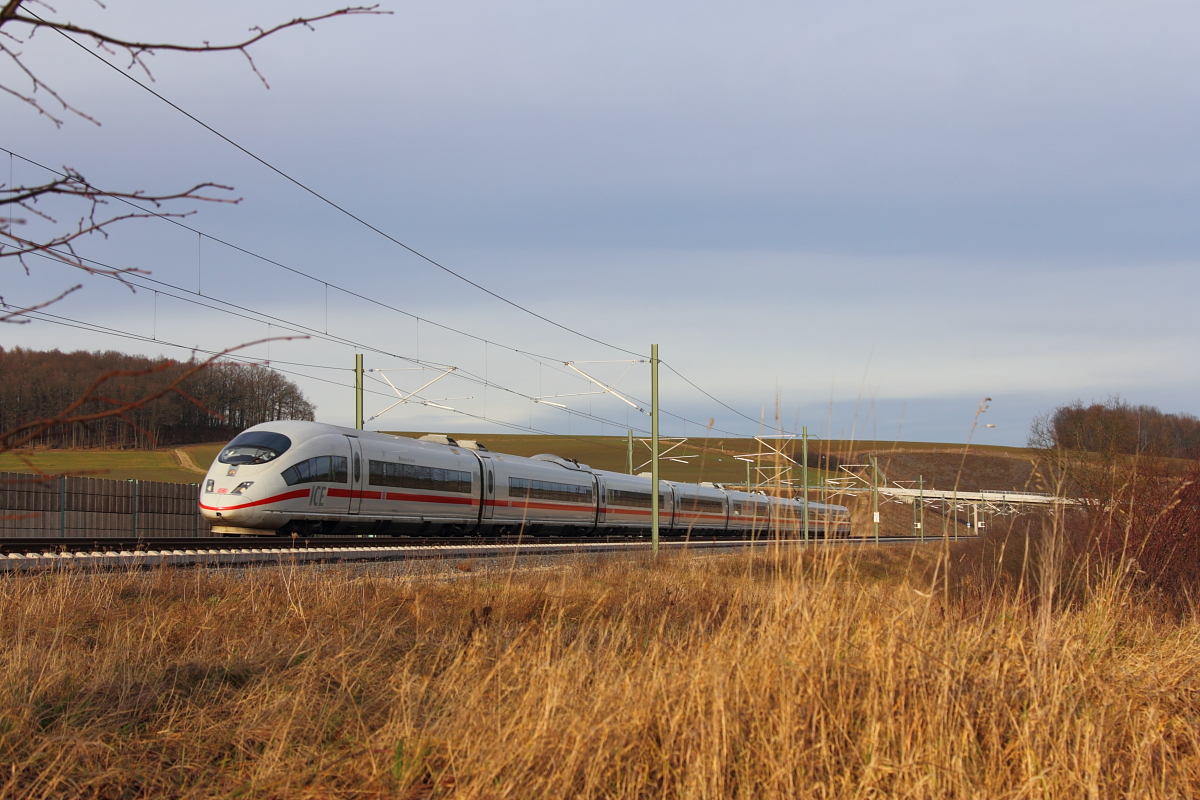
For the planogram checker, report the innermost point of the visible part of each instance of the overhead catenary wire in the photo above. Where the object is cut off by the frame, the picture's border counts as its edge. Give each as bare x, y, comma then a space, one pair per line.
466, 375
116, 273
245, 251
463, 374
224, 354
686, 380
304, 187
327, 284
543, 360
92, 327
136, 280
334, 205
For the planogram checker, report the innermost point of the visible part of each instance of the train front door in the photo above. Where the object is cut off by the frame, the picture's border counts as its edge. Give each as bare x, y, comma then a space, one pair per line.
489, 488
357, 474
601, 504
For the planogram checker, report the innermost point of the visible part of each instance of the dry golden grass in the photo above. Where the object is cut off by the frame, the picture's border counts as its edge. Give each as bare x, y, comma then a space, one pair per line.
835, 674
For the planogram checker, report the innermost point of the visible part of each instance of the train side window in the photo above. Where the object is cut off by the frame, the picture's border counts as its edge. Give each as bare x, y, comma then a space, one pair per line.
330, 469
549, 490
411, 476
320, 469
297, 473
357, 469
491, 483
631, 499
702, 505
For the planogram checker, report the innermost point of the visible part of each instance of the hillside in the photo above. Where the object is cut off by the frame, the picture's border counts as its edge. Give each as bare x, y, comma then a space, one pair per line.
121, 465
951, 470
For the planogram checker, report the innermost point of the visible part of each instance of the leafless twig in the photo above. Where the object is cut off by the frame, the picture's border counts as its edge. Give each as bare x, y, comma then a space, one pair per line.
18, 26
74, 187
15, 15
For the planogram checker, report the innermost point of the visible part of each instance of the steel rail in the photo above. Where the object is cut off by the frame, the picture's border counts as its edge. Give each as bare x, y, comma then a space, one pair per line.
43, 554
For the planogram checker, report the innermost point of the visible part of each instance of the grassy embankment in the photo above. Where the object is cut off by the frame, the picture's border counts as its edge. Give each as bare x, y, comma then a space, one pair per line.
122, 465
838, 673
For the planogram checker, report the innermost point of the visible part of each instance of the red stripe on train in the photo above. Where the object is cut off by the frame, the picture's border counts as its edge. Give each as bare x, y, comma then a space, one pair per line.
679, 515
431, 498
277, 498
542, 506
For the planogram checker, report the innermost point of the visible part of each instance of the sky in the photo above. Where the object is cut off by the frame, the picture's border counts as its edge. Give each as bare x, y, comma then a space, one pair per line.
863, 218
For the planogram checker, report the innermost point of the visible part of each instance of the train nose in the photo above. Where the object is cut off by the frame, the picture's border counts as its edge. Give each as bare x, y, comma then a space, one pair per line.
231, 509
237, 517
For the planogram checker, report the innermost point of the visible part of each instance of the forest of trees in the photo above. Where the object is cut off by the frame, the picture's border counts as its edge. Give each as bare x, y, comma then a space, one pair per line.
1116, 427
41, 384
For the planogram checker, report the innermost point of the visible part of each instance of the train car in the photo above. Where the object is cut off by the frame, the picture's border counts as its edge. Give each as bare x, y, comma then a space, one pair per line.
309, 478
828, 521
749, 513
543, 494
699, 508
626, 503
415, 485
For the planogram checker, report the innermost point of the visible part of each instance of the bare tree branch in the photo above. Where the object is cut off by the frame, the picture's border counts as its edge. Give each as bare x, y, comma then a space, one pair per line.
11, 313
11, 15
18, 25
73, 186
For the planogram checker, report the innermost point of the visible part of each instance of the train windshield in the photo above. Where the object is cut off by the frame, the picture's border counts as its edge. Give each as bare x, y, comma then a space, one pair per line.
255, 447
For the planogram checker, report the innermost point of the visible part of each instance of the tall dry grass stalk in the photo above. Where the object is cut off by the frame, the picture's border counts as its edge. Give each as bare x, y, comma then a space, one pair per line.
833, 674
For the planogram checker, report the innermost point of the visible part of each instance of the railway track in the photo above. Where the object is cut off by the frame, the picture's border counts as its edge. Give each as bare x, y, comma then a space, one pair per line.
20, 555
58, 545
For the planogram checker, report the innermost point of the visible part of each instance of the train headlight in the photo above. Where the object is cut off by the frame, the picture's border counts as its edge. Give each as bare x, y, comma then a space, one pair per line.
242, 487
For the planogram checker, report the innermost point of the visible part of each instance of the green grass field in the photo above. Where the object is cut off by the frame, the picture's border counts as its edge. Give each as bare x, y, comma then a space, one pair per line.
202, 455
121, 465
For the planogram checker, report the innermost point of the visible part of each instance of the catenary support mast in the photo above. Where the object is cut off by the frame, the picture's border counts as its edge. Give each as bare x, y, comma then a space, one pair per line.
654, 509
358, 391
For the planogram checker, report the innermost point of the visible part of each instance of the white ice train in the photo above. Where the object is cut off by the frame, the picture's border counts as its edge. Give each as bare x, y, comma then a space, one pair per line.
311, 478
